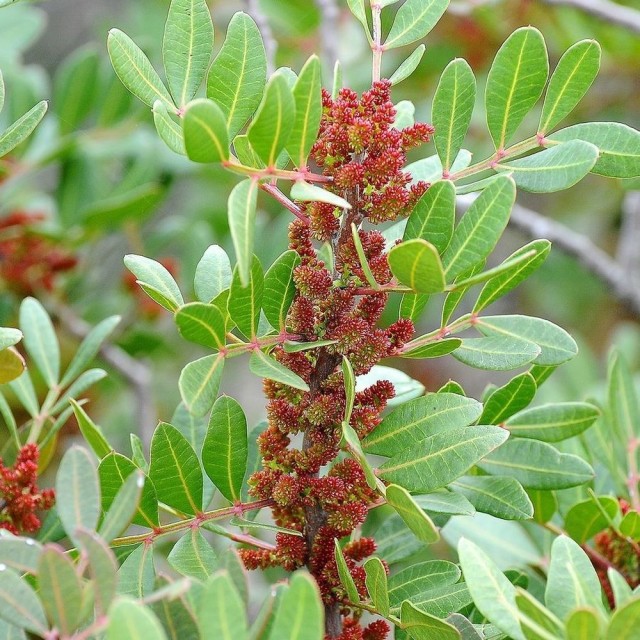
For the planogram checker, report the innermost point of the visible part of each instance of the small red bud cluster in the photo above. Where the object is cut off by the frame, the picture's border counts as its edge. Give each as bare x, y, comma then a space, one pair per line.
317, 494
20, 497
29, 262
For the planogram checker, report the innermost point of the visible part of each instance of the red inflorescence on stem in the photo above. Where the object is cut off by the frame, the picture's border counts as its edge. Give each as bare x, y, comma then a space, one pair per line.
363, 153
29, 262
20, 497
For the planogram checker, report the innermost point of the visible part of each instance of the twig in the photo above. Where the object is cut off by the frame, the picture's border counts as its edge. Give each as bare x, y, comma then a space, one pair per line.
273, 191
376, 45
136, 373
329, 31
270, 44
577, 245
605, 10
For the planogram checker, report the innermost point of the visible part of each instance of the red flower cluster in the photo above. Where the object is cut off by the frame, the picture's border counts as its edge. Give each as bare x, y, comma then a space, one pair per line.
29, 262
20, 496
363, 153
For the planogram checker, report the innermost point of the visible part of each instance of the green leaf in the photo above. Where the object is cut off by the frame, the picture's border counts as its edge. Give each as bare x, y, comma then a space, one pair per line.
433, 349
77, 491
156, 281
238, 74
279, 289
554, 169
433, 217
625, 622
619, 146
9, 337
572, 581
412, 305
225, 449
414, 517
503, 283
630, 525
308, 105
132, 620
220, 610
114, 470
553, 422
503, 498
245, 300
40, 340
205, 132
515, 82
89, 348
537, 622
242, 217
175, 470
295, 347
202, 323
622, 592
103, 567
445, 501
24, 391
376, 582
537, 465
430, 169
424, 626
1, 92
556, 345
213, 274
357, 9
408, 66
137, 574
269, 131
623, 401
168, 129
588, 517
480, 228
576, 71
135, 71
416, 264
453, 104
414, 20
19, 603
193, 556
20, 554
60, 589
583, 624
124, 507
300, 615
420, 578
265, 366
75, 86
186, 47
493, 595
349, 388
12, 365
22, 128
306, 192
496, 353
199, 383
442, 457
346, 578
353, 445
509, 399
413, 421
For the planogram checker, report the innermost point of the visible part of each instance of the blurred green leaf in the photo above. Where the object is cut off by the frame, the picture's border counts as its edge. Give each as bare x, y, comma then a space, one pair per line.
500, 497
441, 458
271, 127
135, 71
22, 128
193, 556
19, 603
515, 82
300, 614
537, 465
124, 507
60, 589
168, 129
583, 624
625, 621
137, 573
408, 66
221, 612
630, 525
413, 421
77, 491
238, 74
265, 366
414, 20
199, 383
175, 470
213, 274
186, 48
134, 621
357, 9
103, 567
225, 449
453, 104
619, 146
156, 281
279, 289
574, 74
20, 554
480, 228
586, 518
12, 365
91, 431
623, 402
536, 620
40, 340
205, 132
554, 169
242, 219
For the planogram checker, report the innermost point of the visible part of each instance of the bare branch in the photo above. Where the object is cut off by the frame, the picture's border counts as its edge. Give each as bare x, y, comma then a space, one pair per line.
270, 44
605, 10
136, 373
329, 31
577, 245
